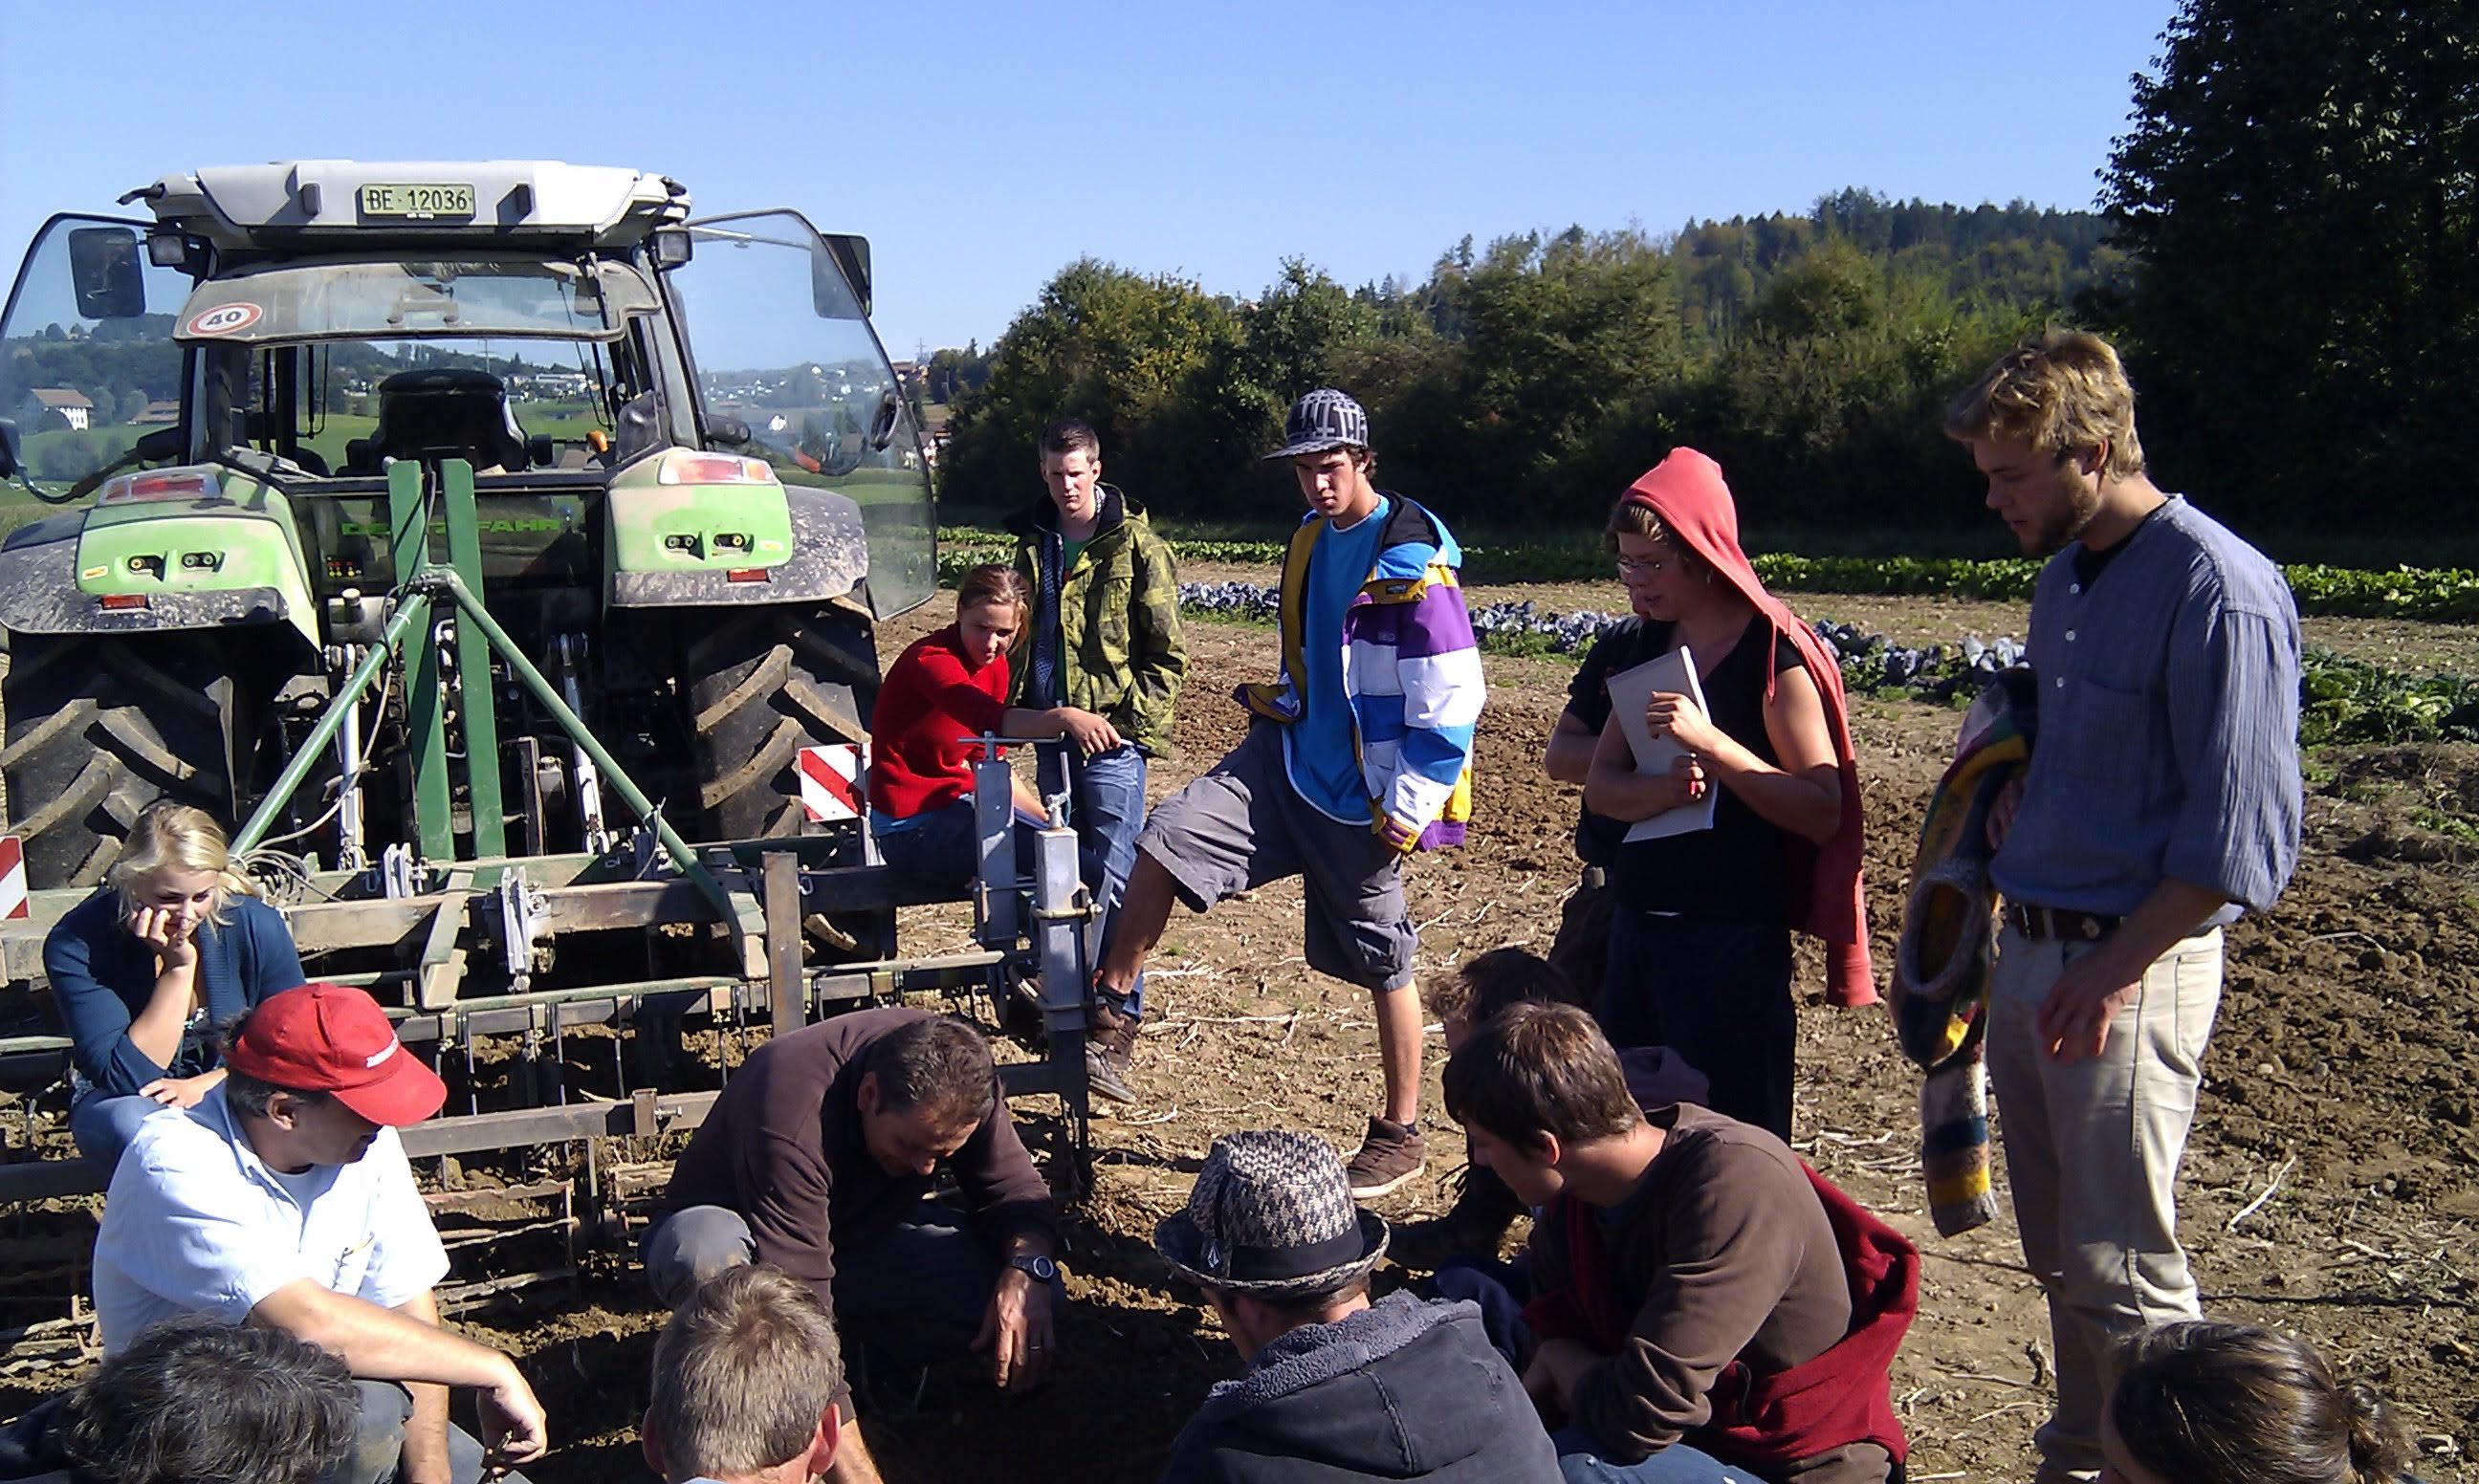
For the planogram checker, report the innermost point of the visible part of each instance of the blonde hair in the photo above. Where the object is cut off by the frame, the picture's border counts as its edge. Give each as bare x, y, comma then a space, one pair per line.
183, 838
2060, 391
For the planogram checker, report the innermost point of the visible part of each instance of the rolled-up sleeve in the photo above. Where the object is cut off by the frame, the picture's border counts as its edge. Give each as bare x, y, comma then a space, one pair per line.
2233, 689
76, 960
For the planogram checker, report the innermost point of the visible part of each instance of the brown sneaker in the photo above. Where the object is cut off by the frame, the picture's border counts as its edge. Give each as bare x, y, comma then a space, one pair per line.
1110, 1048
1387, 1157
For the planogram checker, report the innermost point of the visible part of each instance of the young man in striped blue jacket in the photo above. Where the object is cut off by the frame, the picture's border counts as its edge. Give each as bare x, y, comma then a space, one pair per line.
1360, 753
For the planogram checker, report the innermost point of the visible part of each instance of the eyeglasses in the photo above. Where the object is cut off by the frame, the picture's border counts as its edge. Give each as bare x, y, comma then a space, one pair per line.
1641, 566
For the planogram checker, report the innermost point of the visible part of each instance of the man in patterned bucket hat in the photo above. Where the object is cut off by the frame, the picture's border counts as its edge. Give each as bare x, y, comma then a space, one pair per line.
1336, 1386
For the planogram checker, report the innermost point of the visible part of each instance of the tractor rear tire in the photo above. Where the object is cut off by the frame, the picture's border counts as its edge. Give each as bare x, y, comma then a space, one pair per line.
762, 684
95, 728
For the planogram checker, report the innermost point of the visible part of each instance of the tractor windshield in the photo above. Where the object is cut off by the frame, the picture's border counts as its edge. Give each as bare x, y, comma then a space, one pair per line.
473, 297
788, 368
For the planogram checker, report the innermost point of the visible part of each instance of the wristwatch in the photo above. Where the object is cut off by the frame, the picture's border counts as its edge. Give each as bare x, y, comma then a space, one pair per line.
1042, 1268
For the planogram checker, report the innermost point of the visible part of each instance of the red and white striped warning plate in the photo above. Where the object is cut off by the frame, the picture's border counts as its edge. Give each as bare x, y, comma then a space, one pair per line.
12, 878
831, 782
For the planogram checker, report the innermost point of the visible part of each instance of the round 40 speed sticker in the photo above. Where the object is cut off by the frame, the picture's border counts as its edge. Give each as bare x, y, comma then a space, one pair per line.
223, 320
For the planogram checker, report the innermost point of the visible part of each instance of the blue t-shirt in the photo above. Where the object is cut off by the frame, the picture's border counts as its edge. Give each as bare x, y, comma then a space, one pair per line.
1319, 751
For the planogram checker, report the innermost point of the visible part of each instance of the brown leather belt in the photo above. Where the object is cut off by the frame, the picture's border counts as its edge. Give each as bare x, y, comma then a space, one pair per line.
2059, 922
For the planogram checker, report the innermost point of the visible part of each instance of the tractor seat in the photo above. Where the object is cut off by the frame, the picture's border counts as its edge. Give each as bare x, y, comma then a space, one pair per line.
445, 414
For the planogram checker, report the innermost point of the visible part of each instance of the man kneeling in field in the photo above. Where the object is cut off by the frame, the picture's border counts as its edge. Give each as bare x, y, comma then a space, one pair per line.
1705, 1307
820, 1157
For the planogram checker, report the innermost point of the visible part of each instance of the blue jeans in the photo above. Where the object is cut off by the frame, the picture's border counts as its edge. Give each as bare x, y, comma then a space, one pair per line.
102, 1123
1109, 799
1717, 993
939, 848
378, 1439
1677, 1464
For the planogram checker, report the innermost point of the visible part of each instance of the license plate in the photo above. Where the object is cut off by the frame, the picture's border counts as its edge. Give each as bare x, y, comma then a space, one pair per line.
417, 200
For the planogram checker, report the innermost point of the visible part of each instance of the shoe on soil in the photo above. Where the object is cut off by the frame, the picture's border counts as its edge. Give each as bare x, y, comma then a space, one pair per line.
1387, 1157
1105, 1072
1110, 1046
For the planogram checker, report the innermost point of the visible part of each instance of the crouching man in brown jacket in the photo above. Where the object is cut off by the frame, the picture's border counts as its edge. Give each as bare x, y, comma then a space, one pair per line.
1702, 1307
819, 1158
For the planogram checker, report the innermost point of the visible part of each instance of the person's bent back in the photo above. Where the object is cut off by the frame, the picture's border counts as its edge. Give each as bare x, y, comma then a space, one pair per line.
193, 1399
745, 1380
1702, 1307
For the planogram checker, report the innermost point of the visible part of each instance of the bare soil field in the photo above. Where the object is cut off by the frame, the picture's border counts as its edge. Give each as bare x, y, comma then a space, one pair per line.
2331, 1185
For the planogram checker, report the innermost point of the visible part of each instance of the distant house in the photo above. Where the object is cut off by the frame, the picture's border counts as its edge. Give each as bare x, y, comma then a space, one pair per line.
73, 407
157, 414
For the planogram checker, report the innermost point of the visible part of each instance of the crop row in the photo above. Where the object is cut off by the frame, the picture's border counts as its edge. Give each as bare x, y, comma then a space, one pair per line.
2427, 594
2340, 699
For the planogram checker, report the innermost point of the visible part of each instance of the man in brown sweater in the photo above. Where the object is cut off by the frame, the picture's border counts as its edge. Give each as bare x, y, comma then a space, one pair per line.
819, 1157
1703, 1307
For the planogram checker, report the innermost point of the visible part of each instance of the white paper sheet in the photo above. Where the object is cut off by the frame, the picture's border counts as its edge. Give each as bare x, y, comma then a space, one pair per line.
1630, 690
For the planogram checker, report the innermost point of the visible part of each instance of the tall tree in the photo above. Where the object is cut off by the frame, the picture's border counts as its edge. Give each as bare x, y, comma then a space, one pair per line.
2298, 188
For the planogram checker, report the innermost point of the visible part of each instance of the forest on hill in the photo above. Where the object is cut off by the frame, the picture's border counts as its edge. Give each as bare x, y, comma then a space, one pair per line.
2287, 250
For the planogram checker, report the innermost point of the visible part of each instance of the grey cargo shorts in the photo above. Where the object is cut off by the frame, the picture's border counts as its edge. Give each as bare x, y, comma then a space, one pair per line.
1242, 825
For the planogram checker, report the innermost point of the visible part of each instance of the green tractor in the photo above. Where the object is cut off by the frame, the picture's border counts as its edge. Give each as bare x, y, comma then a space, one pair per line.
667, 454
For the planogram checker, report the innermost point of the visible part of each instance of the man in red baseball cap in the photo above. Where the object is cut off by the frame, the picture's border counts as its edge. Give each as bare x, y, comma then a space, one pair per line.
284, 1199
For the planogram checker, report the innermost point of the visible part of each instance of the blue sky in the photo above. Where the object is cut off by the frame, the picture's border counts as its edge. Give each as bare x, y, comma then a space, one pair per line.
982, 147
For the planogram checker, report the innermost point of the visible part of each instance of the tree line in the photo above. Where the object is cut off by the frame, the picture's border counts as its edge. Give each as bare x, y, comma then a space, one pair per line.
1538, 374
2287, 250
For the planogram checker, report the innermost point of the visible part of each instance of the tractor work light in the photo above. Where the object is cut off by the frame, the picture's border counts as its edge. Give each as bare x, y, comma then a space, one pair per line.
690, 466
137, 489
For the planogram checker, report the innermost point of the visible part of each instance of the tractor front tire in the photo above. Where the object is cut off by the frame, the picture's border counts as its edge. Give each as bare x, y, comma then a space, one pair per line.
95, 728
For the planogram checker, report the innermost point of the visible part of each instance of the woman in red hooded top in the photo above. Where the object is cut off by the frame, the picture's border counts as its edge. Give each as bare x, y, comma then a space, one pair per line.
1700, 955
944, 690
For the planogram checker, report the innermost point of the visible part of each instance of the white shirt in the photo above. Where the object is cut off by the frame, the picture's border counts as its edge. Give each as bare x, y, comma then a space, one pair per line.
196, 1223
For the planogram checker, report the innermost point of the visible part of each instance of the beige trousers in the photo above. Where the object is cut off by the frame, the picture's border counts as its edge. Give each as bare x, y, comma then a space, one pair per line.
2091, 1159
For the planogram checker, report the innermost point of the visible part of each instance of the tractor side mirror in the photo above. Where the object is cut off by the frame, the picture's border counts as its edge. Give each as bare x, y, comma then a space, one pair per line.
107, 272
7, 449
850, 254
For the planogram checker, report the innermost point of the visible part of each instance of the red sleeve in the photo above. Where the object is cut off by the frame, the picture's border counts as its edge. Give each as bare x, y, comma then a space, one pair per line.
976, 699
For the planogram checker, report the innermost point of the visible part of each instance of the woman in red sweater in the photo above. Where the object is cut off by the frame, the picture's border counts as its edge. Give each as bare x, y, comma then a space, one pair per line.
944, 691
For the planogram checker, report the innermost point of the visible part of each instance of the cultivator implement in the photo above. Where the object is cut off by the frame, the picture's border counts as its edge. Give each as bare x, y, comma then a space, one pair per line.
423, 926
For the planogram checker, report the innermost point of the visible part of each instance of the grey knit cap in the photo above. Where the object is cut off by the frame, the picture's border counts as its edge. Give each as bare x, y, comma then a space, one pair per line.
1323, 419
1271, 1215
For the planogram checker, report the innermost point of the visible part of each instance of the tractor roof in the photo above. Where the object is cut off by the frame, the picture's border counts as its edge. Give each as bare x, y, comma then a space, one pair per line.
332, 202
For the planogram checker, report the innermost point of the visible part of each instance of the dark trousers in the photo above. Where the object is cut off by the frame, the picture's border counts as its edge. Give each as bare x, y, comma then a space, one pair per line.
919, 1291
1581, 949
1717, 993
